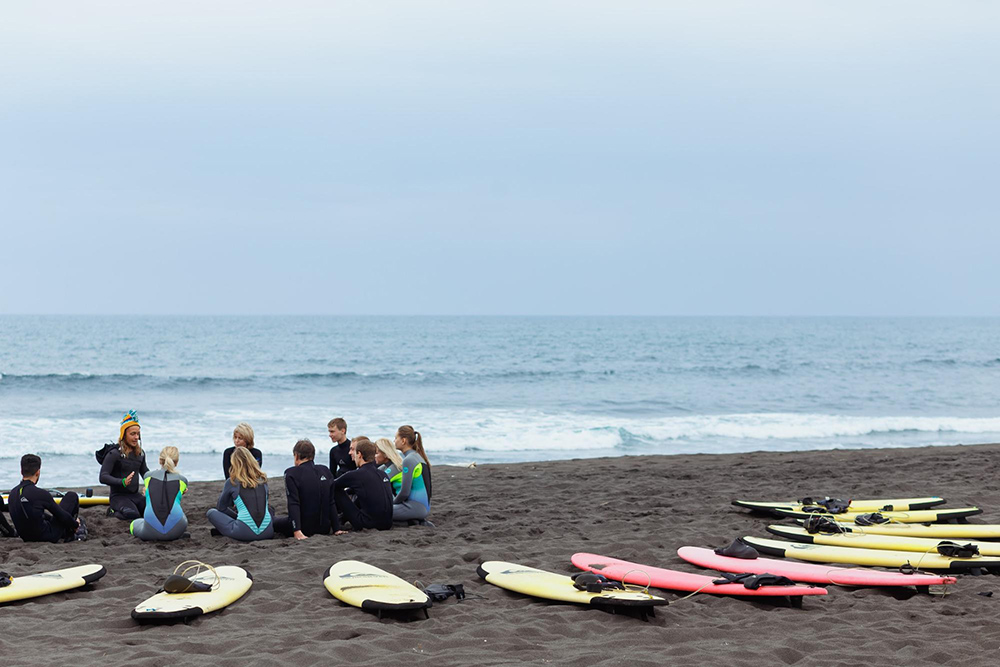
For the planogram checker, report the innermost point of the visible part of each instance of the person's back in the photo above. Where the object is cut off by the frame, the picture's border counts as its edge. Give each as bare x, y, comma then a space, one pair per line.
372, 506
242, 512
309, 495
163, 518
35, 514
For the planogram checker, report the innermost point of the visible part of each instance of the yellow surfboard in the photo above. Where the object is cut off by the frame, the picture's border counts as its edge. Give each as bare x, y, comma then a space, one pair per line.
367, 587
56, 581
84, 500
862, 540
559, 587
915, 516
821, 553
232, 584
867, 505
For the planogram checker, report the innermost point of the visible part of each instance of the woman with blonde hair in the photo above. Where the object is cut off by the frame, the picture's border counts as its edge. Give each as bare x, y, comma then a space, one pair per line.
412, 501
123, 468
242, 512
242, 437
163, 519
388, 459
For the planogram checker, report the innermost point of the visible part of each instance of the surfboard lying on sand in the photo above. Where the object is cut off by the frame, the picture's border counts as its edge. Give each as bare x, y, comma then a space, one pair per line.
233, 583
56, 581
367, 587
822, 553
944, 530
647, 575
809, 572
916, 516
551, 586
85, 501
863, 540
869, 505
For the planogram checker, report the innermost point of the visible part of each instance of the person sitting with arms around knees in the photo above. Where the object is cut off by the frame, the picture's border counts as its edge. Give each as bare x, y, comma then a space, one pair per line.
163, 519
242, 437
242, 512
413, 497
387, 458
371, 488
123, 470
341, 454
309, 490
36, 515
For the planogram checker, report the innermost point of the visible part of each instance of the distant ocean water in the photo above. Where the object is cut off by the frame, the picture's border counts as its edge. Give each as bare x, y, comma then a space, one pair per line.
491, 389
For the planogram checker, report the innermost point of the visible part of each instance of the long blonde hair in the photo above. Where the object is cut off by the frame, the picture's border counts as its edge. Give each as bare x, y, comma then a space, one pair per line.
169, 458
389, 451
245, 471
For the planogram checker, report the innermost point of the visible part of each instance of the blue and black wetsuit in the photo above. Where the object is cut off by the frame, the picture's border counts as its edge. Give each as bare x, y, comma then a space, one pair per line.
164, 519
38, 517
227, 459
127, 501
373, 507
242, 513
413, 495
310, 501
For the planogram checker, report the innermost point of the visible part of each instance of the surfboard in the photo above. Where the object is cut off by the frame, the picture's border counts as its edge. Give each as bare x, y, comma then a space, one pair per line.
647, 575
367, 587
233, 584
56, 581
869, 505
862, 540
809, 572
822, 553
558, 587
944, 530
916, 516
84, 500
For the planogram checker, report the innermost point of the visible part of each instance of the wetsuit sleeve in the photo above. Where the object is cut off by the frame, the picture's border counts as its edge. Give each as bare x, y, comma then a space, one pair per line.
294, 511
226, 499
406, 483
58, 513
107, 470
333, 460
346, 480
257, 454
143, 468
227, 462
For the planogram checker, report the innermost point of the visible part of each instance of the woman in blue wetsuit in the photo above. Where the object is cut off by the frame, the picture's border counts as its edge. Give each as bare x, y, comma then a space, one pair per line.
388, 460
242, 512
413, 498
163, 519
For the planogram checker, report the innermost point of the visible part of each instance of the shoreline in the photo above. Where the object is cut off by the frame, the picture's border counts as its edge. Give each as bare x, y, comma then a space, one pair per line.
631, 507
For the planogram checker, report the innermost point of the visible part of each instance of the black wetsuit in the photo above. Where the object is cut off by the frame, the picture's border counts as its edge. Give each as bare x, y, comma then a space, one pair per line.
128, 502
5, 528
340, 458
39, 518
227, 459
310, 501
373, 508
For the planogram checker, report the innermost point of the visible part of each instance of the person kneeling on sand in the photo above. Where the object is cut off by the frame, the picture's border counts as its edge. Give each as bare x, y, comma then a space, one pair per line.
122, 470
309, 489
242, 512
36, 515
372, 507
163, 519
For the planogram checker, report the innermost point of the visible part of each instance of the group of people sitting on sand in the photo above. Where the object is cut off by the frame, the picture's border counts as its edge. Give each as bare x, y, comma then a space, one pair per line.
367, 485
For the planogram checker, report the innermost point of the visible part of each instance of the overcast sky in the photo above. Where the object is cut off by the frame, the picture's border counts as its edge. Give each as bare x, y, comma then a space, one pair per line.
500, 157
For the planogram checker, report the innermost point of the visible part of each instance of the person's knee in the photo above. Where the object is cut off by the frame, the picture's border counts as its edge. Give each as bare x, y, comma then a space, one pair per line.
128, 513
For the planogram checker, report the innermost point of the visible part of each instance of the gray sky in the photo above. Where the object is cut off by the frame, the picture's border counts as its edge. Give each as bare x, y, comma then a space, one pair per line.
500, 157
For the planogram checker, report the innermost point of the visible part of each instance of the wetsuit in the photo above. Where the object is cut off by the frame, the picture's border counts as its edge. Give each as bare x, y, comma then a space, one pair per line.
340, 458
250, 520
310, 501
163, 519
127, 502
395, 475
373, 507
6, 529
413, 499
227, 458
28, 508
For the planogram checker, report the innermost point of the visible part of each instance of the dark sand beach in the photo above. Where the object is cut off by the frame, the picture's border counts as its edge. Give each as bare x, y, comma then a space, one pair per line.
538, 514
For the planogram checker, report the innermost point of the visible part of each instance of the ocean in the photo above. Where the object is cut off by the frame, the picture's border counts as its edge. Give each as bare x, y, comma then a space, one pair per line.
490, 389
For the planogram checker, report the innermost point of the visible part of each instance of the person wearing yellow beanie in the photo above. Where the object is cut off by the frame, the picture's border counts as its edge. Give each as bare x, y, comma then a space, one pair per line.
123, 469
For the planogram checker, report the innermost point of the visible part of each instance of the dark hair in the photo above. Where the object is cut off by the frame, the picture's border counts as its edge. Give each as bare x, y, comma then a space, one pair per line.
30, 464
338, 422
367, 450
413, 438
304, 450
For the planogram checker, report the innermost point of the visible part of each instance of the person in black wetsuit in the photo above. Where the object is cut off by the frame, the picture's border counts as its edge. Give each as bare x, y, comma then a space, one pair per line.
242, 437
123, 470
6, 530
340, 453
371, 488
37, 517
310, 496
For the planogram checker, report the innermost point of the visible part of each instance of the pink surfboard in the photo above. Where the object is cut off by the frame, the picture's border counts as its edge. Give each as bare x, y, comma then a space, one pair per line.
810, 572
646, 575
